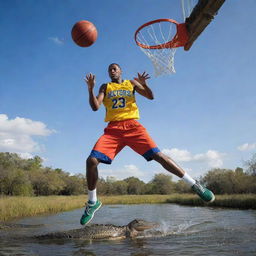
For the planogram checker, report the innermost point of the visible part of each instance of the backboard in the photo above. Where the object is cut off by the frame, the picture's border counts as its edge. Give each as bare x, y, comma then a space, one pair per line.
200, 17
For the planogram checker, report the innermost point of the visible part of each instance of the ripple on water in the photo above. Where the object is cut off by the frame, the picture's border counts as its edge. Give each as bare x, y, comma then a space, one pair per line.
181, 231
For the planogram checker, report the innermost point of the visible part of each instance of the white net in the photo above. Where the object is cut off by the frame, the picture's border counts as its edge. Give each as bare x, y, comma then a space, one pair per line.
162, 60
187, 7
157, 34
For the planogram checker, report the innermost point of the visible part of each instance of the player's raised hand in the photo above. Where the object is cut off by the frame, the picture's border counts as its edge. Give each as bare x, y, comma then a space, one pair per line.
142, 78
90, 80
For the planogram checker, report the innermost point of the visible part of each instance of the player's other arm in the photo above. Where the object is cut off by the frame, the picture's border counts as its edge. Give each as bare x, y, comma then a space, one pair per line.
140, 85
95, 101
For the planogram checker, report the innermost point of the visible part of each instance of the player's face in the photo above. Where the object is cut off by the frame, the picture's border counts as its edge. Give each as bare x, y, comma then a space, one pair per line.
114, 72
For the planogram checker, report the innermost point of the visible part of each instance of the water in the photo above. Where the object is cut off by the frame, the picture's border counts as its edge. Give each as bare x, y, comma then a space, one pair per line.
191, 231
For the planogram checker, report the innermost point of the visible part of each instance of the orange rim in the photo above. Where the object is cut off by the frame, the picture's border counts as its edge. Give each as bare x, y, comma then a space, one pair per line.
180, 38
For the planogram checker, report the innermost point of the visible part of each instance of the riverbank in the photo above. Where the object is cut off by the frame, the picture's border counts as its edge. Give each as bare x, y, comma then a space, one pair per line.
18, 207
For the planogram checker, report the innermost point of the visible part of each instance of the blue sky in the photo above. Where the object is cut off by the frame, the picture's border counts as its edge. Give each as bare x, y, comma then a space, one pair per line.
203, 116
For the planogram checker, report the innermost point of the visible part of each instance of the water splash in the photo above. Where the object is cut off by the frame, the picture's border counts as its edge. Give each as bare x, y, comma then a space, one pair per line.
166, 228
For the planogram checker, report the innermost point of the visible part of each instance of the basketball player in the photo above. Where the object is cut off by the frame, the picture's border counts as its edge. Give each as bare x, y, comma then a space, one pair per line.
123, 129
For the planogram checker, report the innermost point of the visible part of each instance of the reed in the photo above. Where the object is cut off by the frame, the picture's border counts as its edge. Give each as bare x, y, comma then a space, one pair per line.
18, 207
239, 201
135, 199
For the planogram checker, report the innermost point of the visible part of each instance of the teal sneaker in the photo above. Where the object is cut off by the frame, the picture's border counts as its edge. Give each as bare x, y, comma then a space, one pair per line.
89, 211
203, 192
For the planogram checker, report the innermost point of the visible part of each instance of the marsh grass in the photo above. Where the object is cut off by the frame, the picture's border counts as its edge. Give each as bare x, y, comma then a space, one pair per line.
18, 207
239, 201
135, 199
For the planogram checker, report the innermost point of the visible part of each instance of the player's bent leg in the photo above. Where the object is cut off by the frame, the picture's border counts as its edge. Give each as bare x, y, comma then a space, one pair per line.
93, 204
168, 164
204, 193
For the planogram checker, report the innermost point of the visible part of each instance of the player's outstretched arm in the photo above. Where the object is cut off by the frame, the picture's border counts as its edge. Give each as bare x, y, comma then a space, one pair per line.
94, 101
140, 85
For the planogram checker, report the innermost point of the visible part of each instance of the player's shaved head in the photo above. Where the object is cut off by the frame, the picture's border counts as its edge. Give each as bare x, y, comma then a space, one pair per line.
113, 64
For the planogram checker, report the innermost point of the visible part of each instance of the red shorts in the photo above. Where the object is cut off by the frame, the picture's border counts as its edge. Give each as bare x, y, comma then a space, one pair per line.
119, 134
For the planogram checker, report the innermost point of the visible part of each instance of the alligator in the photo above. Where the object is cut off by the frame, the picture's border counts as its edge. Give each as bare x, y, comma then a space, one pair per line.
133, 229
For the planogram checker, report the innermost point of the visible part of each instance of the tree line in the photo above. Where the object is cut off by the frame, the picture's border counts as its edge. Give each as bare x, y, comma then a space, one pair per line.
28, 177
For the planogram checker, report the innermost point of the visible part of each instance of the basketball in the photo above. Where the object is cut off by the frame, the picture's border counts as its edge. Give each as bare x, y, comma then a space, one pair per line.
84, 33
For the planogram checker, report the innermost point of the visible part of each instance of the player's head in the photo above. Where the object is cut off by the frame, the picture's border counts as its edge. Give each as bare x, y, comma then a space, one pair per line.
114, 71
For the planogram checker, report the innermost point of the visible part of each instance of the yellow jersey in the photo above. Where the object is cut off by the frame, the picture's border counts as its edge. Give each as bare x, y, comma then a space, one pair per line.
120, 102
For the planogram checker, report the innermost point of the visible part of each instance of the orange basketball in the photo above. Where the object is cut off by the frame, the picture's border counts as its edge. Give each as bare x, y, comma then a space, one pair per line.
84, 33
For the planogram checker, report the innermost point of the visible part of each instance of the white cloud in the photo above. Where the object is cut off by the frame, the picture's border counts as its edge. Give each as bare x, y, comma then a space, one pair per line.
22, 126
247, 147
122, 173
16, 135
213, 158
56, 40
178, 155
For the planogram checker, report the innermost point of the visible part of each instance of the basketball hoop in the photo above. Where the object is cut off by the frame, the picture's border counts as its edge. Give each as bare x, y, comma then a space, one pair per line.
159, 39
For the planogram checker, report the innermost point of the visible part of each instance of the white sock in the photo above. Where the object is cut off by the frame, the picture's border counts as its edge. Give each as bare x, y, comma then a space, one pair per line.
92, 195
189, 180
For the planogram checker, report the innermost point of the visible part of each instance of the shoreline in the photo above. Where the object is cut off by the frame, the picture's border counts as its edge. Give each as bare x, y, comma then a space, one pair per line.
15, 207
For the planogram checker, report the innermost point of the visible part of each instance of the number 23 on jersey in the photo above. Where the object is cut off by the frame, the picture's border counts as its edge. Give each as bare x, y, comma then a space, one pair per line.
118, 103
